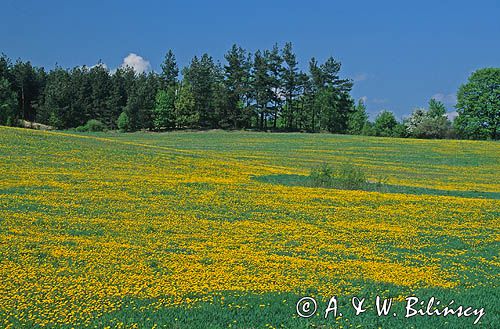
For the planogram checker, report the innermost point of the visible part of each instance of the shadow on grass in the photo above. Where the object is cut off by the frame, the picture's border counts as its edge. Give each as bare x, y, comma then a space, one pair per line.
306, 181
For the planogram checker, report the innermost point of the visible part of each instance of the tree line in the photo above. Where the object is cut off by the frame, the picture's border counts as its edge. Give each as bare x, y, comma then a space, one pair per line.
265, 90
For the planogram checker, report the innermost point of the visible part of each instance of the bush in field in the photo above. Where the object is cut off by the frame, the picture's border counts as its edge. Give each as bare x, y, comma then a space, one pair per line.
346, 176
92, 125
95, 125
350, 177
322, 176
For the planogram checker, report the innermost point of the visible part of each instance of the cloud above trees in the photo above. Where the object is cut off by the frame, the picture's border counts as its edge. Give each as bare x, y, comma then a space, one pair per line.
137, 63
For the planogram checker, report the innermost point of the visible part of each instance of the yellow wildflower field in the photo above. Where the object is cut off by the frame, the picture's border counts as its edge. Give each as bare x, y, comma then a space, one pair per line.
90, 222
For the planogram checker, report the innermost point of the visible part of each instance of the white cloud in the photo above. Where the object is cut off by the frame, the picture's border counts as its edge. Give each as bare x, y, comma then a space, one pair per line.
137, 63
364, 99
447, 99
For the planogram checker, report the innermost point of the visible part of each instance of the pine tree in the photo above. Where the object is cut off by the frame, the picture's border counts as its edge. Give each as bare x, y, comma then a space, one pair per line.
8, 103
169, 71
203, 75
261, 87
303, 102
237, 80
118, 94
358, 119
81, 89
290, 82
28, 82
332, 103
317, 85
58, 98
100, 95
275, 62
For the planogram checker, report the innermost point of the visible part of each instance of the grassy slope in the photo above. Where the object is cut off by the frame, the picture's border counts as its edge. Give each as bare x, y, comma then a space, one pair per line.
412, 162
92, 206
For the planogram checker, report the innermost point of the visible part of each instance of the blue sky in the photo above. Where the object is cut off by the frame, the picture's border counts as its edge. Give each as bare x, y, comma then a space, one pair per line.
399, 53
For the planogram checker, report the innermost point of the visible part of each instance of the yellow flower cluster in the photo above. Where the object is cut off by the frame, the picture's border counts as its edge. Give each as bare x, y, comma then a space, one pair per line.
87, 221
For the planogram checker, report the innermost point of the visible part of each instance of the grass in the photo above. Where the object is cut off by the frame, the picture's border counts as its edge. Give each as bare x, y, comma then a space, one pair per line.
306, 181
223, 229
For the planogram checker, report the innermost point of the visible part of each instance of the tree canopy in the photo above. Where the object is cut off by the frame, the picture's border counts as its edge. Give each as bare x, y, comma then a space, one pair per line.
478, 105
262, 90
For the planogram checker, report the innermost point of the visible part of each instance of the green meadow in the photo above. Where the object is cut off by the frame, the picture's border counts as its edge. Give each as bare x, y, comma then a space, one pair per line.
217, 229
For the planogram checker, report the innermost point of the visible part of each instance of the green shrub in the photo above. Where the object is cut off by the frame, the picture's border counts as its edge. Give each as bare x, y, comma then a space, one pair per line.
350, 177
95, 125
92, 125
322, 176
346, 176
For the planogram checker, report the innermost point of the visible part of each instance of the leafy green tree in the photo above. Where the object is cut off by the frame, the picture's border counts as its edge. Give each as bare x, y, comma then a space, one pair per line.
164, 112
431, 123
123, 122
399, 130
436, 108
415, 120
478, 105
368, 129
8, 103
358, 119
433, 127
186, 114
385, 124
